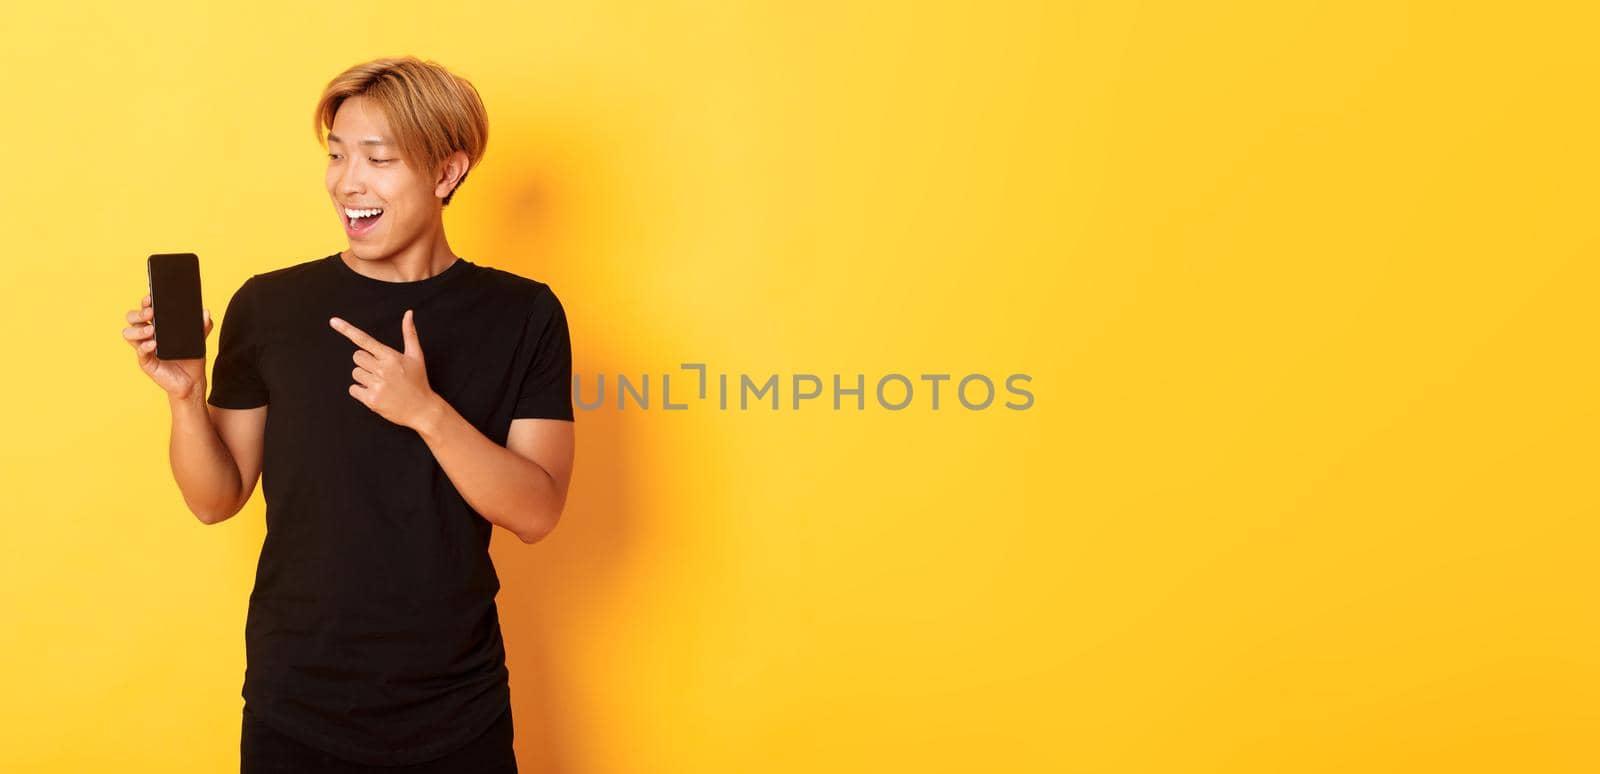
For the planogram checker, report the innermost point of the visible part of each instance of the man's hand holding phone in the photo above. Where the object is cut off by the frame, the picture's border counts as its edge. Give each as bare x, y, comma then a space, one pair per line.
179, 378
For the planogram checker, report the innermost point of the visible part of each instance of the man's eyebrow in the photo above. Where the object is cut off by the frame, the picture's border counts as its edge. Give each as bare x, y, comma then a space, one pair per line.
368, 141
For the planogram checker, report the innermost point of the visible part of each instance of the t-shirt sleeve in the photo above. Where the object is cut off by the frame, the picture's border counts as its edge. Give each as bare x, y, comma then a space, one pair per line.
236, 381
546, 388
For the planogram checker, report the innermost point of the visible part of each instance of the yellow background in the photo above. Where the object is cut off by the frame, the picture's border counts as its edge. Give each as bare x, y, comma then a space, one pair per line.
1306, 291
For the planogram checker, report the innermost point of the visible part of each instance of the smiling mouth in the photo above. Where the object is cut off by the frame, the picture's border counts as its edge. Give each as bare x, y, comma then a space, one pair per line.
362, 225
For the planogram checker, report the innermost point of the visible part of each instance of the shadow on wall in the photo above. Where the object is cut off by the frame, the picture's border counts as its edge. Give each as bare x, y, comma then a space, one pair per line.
548, 586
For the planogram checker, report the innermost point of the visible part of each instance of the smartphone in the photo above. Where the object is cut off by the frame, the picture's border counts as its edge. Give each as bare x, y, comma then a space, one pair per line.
178, 315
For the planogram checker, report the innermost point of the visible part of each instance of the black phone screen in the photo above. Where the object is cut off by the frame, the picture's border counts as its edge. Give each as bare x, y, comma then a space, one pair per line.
177, 315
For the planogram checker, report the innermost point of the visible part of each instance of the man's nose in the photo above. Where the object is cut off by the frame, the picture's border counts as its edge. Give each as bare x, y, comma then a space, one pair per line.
350, 179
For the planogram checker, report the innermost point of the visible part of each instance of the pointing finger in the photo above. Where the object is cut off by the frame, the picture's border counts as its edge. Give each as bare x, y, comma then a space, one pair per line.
360, 337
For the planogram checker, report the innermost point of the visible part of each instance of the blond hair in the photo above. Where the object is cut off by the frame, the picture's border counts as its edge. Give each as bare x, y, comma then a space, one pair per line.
431, 111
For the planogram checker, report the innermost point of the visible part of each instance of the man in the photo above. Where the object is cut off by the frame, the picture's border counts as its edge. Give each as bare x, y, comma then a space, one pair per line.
397, 401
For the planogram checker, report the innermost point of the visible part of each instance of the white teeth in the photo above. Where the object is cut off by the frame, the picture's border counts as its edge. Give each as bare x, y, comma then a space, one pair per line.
353, 214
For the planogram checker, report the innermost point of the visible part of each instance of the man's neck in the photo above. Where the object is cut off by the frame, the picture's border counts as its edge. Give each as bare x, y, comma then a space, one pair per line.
418, 261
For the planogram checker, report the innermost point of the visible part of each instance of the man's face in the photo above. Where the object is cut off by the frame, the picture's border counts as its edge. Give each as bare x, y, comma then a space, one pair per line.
365, 172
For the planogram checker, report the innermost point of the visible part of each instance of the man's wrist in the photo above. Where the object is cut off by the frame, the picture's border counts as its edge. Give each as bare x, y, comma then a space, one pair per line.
196, 399
432, 418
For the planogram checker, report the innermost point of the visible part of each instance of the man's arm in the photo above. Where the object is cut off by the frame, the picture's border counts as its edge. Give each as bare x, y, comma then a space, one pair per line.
215, 455
521, 486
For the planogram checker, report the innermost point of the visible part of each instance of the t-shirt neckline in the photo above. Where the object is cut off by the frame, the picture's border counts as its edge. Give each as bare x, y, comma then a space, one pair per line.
456, 267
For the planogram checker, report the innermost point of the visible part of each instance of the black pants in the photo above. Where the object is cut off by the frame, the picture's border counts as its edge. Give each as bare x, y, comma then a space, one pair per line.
262, 749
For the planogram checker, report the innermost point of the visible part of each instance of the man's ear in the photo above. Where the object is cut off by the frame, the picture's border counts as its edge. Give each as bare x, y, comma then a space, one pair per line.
451, 171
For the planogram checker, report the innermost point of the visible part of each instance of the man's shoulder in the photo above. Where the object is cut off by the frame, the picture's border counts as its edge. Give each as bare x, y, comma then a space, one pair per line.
290, 273
526, 289
514, 281
287, 279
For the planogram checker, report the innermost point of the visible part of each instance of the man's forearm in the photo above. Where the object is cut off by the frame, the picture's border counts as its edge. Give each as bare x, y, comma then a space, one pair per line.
503, 486
205, 470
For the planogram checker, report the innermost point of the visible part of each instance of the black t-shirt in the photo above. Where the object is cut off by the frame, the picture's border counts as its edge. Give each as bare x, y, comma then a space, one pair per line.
372, 630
